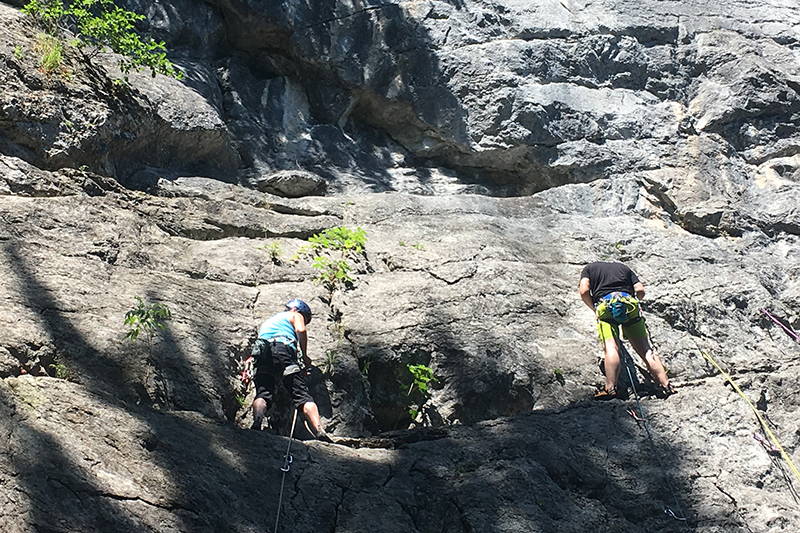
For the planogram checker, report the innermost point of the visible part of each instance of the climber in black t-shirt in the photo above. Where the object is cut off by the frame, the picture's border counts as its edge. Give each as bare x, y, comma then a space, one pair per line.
612, 291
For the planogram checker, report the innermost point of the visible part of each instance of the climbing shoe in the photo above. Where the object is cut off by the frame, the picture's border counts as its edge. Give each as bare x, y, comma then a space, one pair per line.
257, 423
665, 392
603, 394
318, 434
323, 436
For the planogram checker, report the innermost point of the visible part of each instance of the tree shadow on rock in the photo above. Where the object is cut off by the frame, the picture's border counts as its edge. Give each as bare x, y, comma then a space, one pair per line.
164, 435
585, 469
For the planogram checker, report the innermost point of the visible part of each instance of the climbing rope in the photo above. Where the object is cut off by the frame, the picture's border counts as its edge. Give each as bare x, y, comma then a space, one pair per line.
789, 331
287, 465
643, 421
775, 442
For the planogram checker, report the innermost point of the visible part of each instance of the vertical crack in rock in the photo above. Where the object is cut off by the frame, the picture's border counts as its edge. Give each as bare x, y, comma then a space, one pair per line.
462, 516
338, 509
736, 507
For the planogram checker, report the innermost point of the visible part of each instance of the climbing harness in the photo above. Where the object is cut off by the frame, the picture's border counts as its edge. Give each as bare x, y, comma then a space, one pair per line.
775, 442
789, 331
619, 308
640, 417
287, 465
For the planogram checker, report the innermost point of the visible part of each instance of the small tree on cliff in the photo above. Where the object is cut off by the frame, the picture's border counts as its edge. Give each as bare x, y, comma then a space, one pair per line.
148, 318
99, 24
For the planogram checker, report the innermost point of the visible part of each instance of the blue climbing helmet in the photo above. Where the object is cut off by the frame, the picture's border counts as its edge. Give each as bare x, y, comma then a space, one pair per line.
301, 307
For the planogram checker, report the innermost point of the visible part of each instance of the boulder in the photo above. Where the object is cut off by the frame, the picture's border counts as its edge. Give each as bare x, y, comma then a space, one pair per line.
291, 183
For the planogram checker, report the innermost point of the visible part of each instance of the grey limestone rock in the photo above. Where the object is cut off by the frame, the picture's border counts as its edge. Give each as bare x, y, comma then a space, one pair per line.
481, 289
291, 183
489, 149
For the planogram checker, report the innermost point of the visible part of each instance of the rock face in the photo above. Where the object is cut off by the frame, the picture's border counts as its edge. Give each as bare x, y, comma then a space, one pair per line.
100, 466
512, 142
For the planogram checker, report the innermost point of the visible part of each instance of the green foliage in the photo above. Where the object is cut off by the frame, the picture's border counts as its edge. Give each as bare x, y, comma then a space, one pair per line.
100, 24
421, 379
50, 51
273, 250
18, 52
422, 376
364, 364
59, 369
146, 318
300, 253
340, 238
331, 358
416, 245
331, 273
559, 375
241, 399
331, 252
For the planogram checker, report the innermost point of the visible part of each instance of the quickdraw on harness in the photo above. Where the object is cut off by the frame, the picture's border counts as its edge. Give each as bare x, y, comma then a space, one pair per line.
246, 371
246, 368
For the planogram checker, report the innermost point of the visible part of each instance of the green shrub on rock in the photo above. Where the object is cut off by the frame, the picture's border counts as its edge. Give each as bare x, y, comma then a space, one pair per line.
101, 24
331, 251
147, 318
50, 51
340, 238
419, 390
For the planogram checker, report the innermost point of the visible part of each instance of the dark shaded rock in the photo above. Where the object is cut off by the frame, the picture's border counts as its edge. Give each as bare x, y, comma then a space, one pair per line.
101, 465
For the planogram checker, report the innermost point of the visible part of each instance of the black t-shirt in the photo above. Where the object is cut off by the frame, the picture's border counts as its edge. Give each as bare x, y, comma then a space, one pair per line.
605, 278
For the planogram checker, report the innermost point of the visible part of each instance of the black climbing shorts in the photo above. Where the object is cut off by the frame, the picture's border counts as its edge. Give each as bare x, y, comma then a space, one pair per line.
272, 360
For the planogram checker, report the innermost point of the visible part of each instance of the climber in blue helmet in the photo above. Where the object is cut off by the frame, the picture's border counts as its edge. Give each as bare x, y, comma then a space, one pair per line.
281, 338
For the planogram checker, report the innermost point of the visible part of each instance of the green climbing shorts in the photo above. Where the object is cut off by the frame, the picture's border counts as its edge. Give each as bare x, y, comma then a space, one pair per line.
632, 328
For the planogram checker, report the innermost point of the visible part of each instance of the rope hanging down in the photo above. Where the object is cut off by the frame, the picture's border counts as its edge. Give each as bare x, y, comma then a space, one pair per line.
776, 443
642, 420
287, 465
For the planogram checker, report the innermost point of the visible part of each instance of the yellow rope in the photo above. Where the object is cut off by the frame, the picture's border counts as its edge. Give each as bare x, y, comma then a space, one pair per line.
761, 420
